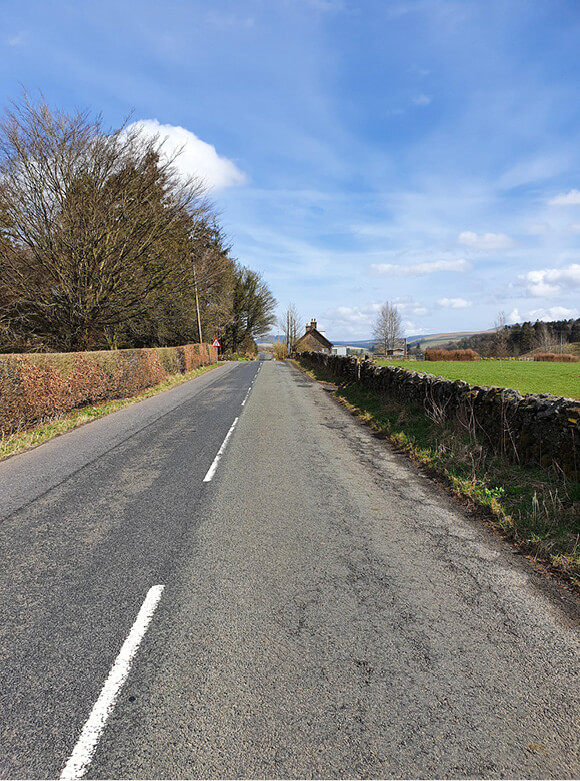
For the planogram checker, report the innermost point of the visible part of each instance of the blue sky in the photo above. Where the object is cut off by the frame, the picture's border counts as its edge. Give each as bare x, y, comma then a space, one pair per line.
424, 152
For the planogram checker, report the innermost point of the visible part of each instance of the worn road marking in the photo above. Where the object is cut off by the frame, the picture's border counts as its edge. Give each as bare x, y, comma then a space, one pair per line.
247, 394
82, 754
213, 467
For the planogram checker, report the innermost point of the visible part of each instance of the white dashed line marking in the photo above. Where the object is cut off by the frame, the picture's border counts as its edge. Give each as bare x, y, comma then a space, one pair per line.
213, 467
82, 754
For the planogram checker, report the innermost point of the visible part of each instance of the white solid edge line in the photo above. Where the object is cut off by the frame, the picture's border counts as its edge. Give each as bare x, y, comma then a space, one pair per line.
213, 467
82, 754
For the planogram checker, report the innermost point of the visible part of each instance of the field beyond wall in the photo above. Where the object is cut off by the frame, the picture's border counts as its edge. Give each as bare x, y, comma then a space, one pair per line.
559, 379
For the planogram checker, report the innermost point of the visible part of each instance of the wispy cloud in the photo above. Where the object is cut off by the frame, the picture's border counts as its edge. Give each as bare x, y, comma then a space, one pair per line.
17, 40
327, 6
224, 20
454, 303
421, 100
545, 314
419, 269
486, 242
530, 170
554, 313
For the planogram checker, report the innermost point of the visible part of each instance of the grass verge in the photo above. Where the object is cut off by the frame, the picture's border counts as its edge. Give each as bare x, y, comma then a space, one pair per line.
538, 510
37, 435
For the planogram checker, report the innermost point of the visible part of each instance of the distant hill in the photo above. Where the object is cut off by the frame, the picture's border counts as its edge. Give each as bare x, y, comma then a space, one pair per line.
366, 345
439, 340
425, 340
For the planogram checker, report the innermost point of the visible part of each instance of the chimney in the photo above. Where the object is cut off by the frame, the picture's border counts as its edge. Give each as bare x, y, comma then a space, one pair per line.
313, 323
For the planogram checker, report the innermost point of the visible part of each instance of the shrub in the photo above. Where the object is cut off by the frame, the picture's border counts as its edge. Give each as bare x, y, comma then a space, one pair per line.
280, 351
556, 357
451, 355
40, 387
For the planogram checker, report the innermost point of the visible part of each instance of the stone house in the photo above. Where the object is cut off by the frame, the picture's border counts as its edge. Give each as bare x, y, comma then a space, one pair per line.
313, 340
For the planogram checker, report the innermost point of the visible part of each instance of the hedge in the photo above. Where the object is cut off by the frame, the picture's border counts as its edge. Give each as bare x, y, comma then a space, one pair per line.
556, 357
434, 354
38, 387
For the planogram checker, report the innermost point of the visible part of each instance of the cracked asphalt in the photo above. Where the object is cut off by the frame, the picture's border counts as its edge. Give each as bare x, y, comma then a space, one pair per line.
330, 613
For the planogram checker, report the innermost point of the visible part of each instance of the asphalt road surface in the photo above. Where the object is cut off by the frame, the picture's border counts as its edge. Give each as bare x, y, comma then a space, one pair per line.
321, 608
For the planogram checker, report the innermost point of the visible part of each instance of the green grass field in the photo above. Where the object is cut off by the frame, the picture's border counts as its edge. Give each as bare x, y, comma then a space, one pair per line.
560, 379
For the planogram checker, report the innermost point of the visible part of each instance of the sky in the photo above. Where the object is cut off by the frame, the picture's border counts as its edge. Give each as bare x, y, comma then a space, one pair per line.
422, 152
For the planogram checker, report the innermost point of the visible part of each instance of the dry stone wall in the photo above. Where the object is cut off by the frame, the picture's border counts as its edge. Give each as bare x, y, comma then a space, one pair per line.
541, 430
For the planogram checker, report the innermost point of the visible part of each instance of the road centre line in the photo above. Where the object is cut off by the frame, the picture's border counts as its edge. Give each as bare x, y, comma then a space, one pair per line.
211, 471
82, 754
247, 394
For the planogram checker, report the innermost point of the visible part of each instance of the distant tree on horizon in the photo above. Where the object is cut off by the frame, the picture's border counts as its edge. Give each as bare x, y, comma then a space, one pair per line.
388, 327
290, 324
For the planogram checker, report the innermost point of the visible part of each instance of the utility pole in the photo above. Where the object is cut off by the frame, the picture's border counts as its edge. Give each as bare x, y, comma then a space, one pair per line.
197, 304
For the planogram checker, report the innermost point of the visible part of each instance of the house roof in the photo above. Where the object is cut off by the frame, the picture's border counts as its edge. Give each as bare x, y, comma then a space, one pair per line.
317, 335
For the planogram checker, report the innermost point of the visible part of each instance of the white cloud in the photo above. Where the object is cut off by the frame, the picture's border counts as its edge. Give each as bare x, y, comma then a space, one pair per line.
408, 306
485, 241
352, 322
454, 303
566, 199
197, 157
574, 228
421, 100
553, 313
353, 315
357, 322
550, 281
419, 269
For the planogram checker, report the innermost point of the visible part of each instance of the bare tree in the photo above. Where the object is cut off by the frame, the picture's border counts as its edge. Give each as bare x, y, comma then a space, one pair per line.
500, 338
545, 337
94, 224
388, 328
290, 322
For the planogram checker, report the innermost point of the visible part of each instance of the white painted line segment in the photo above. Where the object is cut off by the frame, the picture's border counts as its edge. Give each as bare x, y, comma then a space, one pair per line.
247, 394
213, 467
82, 754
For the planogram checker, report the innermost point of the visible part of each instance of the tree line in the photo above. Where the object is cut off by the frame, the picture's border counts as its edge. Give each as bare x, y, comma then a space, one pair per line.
104, 244
519, 339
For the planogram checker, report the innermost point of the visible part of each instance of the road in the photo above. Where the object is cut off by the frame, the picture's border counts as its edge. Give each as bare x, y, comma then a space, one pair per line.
327, 611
